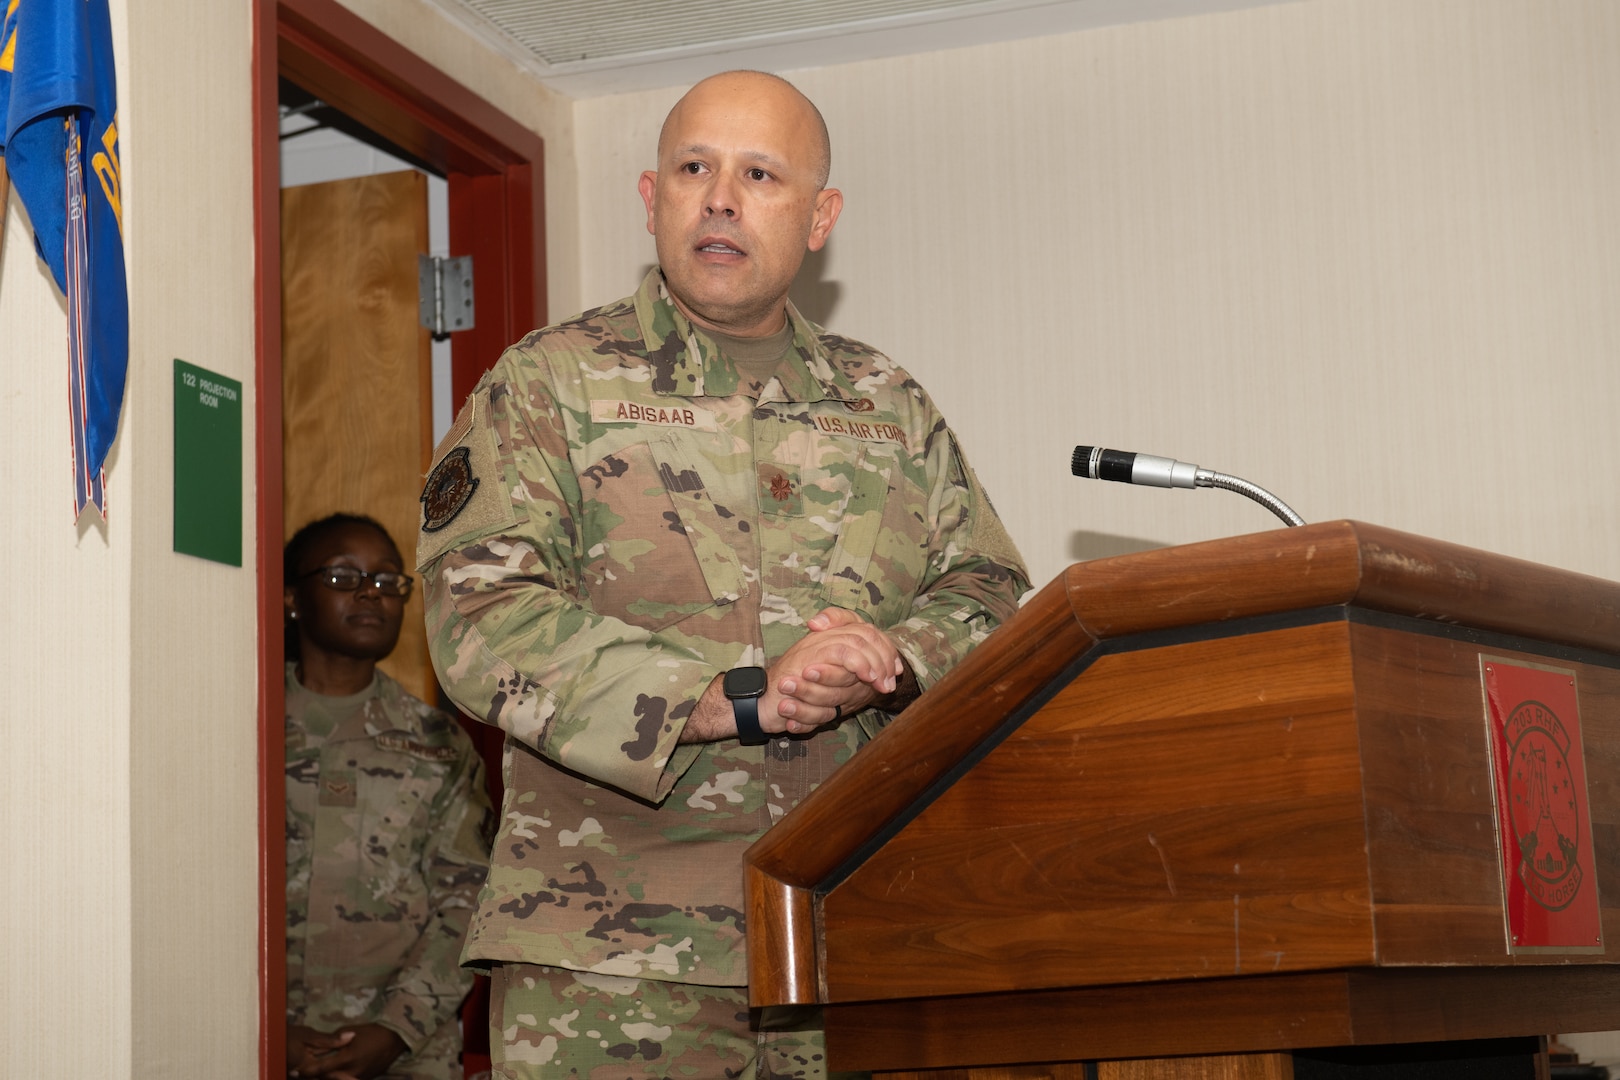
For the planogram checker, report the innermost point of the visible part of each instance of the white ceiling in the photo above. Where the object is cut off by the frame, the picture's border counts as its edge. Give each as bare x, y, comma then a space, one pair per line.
589, 48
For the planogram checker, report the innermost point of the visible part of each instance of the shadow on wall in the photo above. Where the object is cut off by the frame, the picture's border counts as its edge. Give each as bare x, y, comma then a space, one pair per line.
812, 293
1084, 546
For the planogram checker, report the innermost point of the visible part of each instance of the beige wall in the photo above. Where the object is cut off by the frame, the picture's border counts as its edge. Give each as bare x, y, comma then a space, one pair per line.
64, 796
1361, 252
129, 801
193, 762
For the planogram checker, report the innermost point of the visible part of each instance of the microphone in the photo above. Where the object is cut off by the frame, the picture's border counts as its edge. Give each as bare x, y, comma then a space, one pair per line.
1095, 463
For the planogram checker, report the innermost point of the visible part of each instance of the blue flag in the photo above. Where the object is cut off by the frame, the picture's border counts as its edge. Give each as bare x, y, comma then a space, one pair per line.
59, 138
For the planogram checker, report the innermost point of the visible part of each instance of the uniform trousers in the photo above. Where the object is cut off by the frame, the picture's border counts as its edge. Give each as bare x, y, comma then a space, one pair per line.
550, 1024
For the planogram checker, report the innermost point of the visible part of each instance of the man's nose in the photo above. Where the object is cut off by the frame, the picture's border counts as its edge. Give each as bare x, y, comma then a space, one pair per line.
721, 198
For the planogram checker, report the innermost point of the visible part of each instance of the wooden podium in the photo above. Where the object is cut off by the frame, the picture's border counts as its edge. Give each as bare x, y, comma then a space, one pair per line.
1194, 809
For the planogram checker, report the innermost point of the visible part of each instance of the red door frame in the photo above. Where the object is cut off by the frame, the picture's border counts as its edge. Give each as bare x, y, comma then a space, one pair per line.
495, 170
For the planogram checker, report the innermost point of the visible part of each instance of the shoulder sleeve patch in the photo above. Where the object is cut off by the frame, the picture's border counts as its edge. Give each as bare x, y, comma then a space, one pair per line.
463, 496
449, 488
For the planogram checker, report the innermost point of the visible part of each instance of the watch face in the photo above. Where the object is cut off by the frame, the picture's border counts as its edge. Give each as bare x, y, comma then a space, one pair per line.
744, 682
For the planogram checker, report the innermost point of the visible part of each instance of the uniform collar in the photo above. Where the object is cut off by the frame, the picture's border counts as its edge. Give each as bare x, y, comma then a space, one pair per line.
688, 363
349, 709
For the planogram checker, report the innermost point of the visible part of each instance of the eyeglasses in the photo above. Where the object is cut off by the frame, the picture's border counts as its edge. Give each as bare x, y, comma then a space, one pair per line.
348, 579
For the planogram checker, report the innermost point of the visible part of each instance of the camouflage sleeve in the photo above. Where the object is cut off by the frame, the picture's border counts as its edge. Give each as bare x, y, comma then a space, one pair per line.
975, 574
430, 984
514, 640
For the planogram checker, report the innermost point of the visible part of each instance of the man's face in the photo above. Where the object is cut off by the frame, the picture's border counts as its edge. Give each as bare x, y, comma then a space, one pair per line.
735, 203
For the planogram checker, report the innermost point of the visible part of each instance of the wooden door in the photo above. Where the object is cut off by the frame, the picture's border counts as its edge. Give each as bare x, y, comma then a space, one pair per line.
357, 370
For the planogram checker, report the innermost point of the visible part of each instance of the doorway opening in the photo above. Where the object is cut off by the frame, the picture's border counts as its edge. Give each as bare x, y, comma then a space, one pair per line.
492, 170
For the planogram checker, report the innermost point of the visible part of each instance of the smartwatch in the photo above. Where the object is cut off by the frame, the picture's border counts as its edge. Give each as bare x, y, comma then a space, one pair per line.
744, 686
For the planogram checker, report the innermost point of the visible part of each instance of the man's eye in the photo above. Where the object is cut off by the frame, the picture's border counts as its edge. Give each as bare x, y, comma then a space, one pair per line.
692, 167
757, 174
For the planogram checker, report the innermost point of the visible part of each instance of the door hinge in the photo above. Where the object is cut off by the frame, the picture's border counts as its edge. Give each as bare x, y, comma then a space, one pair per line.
445, 294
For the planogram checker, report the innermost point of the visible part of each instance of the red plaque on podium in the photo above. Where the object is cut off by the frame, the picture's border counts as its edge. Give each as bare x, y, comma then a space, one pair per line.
1542, 816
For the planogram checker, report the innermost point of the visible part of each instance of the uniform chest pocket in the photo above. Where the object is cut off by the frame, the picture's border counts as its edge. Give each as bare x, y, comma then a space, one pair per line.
656, 542
881, 549
395, 801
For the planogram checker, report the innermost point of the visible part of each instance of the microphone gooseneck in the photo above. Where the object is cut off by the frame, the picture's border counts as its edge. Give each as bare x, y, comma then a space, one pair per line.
1122, 466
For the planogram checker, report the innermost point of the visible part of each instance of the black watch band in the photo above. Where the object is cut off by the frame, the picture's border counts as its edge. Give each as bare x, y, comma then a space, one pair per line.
746, 711
744, 686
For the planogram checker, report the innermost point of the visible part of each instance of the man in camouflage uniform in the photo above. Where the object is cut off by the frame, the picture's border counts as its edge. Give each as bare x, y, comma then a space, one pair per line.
689, 482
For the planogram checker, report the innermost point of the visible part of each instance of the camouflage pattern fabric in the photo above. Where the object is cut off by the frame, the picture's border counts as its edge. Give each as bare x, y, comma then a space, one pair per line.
387, 826
548, 1023
609, 525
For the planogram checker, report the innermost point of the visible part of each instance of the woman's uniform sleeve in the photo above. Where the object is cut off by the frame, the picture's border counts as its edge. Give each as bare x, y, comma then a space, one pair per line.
430, 983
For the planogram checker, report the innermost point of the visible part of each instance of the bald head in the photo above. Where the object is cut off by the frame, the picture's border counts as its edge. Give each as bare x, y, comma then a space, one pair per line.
739, 196
758, 89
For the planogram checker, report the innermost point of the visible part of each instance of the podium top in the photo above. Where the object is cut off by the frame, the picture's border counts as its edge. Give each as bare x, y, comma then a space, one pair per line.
1348, 563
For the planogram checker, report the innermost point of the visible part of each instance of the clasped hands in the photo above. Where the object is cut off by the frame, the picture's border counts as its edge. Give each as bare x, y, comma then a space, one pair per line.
842, 666
350, 1053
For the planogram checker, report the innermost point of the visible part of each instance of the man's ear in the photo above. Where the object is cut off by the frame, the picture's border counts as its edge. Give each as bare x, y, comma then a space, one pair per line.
648, 186
829, 202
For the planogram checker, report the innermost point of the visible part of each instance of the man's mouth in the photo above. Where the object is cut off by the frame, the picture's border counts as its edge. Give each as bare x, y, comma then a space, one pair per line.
719, 248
